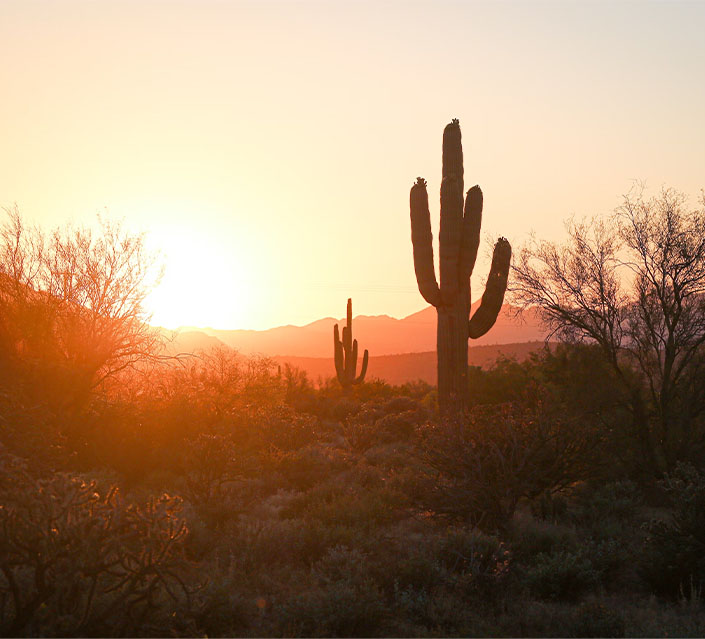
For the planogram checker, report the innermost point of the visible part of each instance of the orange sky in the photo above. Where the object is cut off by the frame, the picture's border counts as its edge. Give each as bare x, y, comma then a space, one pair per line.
268, 148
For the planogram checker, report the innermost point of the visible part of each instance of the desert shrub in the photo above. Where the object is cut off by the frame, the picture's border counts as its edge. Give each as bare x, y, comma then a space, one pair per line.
209, 465
252, 544
374, 390
363, 510
123, 437
415, 571
478, 563
301, 469
336, 610
343, 564
280, 428
477, 469
413, 604
417, 390
399, 404
344, 407
673, 561
360, 435
385, 421
653, 617
499, 384
610, 558
400, 426
347, 601
560, 619
599, 520
593, 619
549, 506
30, 430
614, 501
221, 608
561, 575
78, 561
299, 392
530, 537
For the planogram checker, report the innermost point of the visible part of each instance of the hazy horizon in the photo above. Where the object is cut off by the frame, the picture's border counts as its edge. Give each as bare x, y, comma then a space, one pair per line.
268, 148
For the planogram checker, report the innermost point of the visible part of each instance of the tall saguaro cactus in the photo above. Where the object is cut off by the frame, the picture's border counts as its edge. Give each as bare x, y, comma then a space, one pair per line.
345, 351
459, 241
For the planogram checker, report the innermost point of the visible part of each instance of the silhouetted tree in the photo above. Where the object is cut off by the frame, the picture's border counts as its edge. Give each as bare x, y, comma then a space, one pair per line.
72, 305
635, 286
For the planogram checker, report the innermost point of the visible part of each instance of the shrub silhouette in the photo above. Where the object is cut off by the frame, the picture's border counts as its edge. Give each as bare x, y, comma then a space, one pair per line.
76, 559
477, 469
674, 559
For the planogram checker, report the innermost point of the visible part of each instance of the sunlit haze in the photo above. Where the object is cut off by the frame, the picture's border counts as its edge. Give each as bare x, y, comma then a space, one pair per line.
267, 148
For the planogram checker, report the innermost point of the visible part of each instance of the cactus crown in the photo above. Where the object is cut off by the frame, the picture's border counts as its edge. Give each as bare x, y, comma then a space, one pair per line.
455, 121
420, 181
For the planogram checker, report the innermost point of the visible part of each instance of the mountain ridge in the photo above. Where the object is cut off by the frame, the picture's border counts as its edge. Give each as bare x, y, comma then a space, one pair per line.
381, 335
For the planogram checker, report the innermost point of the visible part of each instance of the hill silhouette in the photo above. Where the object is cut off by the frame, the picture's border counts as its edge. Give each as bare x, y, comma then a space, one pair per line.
380, 334
401, 350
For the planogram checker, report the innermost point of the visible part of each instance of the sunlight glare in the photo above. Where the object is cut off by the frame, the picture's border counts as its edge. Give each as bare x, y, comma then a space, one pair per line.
204, 283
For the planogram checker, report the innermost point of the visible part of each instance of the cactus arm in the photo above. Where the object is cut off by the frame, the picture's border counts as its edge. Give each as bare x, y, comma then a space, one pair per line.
450, 238
485, 316
453, 153
363, 370
338, 354
422, 242
472, 221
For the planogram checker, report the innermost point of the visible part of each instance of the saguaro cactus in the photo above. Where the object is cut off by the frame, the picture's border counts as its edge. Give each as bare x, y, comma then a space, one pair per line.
459, 242
345, 351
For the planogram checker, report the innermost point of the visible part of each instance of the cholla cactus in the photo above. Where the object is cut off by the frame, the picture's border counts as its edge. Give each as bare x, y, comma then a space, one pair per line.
459, 242
345, 352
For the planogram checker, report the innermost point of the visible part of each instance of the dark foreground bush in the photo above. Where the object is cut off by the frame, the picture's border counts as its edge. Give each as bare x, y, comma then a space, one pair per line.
562, 575
477, 469
593, 619
339, 609
673, 562
78, 560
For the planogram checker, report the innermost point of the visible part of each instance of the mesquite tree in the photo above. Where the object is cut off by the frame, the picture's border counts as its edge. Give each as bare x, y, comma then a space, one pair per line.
634, 285
345, 352
459, 242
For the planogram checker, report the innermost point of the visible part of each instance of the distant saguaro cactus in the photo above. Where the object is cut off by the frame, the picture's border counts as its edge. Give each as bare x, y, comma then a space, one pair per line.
459, 241
345, 351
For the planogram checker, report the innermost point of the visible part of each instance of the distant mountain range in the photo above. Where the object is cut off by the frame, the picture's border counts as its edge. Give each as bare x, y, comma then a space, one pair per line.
401, 350
380, 334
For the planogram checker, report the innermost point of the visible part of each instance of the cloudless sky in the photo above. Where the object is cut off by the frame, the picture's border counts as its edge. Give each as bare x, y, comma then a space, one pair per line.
267, 148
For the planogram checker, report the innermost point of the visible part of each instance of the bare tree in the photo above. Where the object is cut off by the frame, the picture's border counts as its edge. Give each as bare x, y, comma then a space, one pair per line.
635, 286
72, 304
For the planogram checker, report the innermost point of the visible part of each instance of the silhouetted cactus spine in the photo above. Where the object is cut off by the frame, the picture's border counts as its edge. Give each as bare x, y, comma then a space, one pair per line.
345, 351
459, 241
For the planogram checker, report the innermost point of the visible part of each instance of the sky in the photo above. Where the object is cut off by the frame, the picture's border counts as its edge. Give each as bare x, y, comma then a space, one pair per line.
267, 148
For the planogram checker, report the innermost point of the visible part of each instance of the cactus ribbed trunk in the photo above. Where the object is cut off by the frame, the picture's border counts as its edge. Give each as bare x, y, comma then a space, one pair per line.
452, 353
459, 241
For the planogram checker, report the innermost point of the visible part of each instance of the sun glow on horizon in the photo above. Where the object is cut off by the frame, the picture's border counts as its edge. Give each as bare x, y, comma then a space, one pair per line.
203, 285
